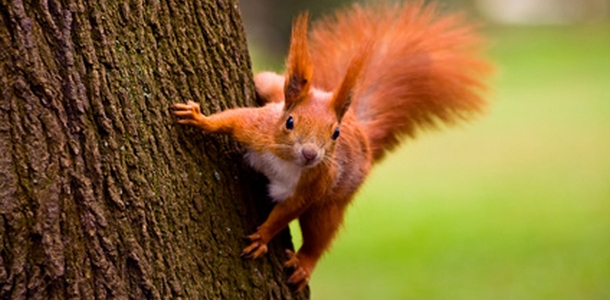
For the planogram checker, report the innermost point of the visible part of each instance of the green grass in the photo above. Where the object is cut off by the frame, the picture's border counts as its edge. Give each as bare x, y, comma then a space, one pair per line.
515, 205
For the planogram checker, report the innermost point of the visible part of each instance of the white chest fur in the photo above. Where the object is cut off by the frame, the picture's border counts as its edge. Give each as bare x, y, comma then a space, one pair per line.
283, 175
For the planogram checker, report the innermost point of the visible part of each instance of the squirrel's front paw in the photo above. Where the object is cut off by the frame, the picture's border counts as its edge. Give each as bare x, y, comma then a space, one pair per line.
256, 249
301, 271
188, 113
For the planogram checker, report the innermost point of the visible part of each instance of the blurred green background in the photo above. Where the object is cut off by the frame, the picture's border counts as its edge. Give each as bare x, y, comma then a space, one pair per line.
514, 205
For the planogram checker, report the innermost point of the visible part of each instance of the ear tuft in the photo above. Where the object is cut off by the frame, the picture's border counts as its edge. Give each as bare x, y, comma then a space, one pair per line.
299, 67
343, 96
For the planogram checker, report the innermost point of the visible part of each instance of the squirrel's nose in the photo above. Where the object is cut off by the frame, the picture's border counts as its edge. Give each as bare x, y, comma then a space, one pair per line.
309, 154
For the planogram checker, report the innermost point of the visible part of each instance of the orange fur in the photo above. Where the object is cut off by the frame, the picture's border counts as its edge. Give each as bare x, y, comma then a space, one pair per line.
381, 72
424, 69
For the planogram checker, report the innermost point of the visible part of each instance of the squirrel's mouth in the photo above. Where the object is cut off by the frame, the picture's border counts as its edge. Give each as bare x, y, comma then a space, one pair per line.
310, 163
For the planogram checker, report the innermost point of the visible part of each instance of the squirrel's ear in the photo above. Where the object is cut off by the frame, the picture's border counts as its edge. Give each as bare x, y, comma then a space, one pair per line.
343, 96
299, 67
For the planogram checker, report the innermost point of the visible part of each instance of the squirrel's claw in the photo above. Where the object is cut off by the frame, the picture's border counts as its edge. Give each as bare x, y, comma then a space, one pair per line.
256, 249
186, 110
189, 113
292, 261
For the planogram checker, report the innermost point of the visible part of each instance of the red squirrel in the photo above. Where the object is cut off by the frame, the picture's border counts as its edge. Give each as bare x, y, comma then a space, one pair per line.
355, 85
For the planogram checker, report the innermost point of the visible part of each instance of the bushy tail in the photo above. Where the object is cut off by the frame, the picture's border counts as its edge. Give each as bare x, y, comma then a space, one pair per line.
423, 69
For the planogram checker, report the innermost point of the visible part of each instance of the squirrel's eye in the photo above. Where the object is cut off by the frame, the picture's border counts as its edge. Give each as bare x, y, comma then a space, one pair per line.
335, 134
290, 123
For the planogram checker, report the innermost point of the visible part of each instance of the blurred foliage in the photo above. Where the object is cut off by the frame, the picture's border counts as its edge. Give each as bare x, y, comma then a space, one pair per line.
268, 22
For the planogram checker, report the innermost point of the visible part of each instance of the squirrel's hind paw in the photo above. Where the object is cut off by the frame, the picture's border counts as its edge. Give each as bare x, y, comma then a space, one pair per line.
300, 274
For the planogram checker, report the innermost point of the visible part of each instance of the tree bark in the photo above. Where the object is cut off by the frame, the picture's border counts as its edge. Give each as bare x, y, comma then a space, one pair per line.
102, 196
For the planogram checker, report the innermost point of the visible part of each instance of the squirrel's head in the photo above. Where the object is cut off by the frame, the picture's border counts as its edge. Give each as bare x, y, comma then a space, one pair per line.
308, 130
311, 121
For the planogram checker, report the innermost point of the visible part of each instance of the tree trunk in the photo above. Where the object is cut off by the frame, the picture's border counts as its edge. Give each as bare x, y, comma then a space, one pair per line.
102, 196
